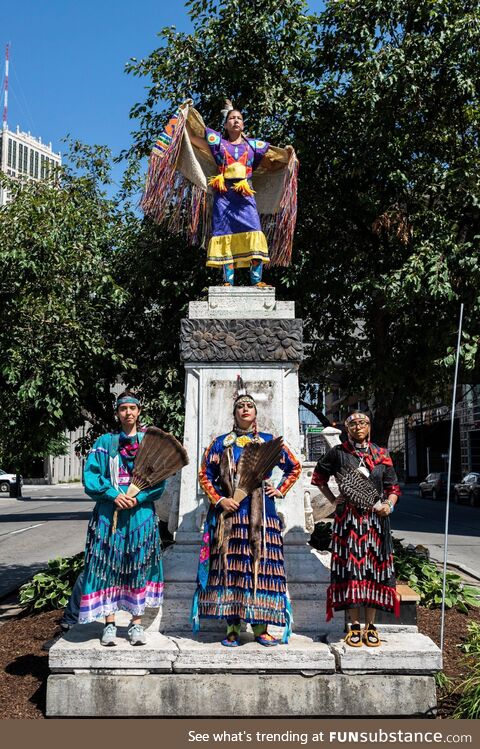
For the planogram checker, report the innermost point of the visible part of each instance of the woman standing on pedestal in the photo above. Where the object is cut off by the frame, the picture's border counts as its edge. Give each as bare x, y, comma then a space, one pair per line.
123, 567
237, 239
362, 571
207, 192
226, 581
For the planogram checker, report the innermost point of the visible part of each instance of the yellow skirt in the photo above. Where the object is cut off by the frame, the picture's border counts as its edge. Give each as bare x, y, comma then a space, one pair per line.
237, 249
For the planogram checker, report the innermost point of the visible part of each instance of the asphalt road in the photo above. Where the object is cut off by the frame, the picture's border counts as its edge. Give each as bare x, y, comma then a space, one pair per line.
422, 521
53, 523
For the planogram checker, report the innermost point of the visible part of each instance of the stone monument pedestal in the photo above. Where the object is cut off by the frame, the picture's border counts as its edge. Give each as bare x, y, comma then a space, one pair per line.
242, 331
246, 332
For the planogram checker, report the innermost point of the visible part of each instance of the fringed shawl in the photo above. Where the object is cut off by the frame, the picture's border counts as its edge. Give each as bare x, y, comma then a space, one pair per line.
177, 193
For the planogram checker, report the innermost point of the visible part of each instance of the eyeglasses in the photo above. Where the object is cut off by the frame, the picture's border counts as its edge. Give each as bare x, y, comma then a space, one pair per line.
357, 423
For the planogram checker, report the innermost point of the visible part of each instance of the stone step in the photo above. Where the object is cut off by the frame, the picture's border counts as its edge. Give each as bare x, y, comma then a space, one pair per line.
399, 653
80, 650
205, 654
241, 695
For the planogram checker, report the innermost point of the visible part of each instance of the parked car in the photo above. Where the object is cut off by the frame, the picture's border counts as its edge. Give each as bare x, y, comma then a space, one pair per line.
7, 480
434, 486
468, 490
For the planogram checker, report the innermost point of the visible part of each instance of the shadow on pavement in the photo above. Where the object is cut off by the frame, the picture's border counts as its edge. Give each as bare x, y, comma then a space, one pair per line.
45, 498
44, 516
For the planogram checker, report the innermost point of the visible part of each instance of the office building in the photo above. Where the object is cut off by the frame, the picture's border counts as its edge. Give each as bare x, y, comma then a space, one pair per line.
26, 157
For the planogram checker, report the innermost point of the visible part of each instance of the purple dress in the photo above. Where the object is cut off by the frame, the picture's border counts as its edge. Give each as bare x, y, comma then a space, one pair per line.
237, 236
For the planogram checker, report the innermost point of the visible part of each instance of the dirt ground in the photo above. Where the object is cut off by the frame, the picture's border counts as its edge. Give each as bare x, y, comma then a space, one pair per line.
455, 635
24, 666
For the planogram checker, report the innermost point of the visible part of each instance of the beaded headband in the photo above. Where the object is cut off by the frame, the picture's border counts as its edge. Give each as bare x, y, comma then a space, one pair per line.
350, 418
127, 399
244, 399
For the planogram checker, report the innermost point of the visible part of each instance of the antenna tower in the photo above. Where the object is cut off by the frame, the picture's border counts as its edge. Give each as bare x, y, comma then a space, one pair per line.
5, 95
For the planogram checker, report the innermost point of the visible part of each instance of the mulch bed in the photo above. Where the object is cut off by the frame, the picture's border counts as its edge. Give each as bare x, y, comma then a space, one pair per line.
24, 666
453, 658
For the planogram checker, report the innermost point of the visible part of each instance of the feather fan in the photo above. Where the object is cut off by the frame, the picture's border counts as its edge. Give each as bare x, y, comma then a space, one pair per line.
357, 489
256, 461
159, 456
225, 521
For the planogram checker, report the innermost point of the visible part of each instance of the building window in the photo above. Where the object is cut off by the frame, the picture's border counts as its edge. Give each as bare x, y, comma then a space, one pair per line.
10, 152
36, 164
22, 159
32, 161
42, 167
14, 155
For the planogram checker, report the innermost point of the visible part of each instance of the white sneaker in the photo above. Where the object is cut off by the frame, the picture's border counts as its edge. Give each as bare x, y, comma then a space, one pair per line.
136, 635
109, 635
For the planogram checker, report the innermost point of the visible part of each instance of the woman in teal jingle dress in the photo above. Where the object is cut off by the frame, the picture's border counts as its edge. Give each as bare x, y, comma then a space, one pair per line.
228, 587
123, 567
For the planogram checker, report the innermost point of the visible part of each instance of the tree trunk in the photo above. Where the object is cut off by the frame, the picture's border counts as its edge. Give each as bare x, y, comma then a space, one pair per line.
316, 412
382, 422
384, 409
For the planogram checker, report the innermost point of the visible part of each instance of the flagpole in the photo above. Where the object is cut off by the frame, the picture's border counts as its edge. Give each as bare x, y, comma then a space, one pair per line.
449, 476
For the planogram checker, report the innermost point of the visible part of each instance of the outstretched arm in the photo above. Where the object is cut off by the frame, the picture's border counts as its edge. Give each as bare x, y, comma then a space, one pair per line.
198, 142
276, 158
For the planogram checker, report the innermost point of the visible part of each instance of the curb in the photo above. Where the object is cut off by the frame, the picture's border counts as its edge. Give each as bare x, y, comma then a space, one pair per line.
468, 570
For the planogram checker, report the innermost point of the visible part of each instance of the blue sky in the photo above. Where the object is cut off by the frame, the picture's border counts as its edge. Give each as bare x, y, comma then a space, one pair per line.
67, 64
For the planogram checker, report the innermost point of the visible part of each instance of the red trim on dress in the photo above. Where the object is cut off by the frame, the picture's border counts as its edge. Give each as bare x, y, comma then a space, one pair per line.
320, 479
294, 474
203, 479
356, 592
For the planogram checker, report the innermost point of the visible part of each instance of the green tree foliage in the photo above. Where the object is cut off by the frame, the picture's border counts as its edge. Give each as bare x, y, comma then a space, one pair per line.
381, 102
58, 351
226, 55
259, 54
396, 216
160, 275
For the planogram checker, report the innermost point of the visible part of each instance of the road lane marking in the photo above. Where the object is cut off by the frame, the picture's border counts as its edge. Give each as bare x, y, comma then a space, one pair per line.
22, 530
